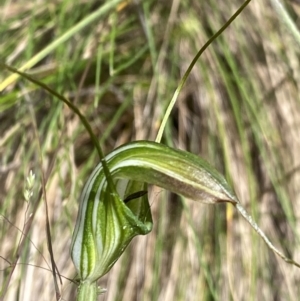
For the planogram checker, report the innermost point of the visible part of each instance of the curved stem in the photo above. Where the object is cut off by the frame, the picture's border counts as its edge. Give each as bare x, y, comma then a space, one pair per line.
77, 112
188, 71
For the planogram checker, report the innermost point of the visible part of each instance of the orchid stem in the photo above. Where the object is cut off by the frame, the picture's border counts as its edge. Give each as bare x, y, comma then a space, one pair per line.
87, 291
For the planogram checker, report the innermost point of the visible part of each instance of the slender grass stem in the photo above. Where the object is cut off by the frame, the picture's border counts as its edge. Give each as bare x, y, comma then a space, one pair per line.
77, 112
286, 19
67, 35
192, 64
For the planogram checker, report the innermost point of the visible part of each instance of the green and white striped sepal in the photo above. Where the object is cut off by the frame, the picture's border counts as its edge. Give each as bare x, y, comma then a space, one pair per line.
106, 224
107, 220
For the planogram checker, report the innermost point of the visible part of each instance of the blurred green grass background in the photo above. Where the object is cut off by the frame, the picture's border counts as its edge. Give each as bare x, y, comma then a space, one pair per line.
239, 109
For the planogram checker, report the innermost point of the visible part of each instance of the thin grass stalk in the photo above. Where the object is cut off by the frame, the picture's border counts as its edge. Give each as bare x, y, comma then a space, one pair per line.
286, 19
42, 54
192, 64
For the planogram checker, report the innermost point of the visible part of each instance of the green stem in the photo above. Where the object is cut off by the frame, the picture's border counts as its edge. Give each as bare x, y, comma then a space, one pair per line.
87, 291
192, 64
76, 111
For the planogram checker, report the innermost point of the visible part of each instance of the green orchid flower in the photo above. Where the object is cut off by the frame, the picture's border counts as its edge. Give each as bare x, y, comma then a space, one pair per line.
108, 220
